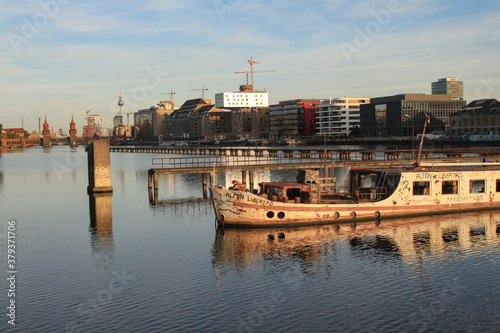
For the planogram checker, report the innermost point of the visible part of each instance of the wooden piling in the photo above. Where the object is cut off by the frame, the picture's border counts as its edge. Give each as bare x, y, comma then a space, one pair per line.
243, 177
150, 179
250, 176
204, 177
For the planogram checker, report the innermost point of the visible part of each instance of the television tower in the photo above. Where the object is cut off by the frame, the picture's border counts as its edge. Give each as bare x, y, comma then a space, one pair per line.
120, 102
118, 120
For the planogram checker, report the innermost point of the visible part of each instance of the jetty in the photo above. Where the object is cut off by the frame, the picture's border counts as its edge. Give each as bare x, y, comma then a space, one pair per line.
247, 161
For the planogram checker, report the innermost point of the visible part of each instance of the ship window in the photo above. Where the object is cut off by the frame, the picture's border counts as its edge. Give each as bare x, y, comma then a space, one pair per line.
477, 186
450, 187
498, 185
421, 188
293, 193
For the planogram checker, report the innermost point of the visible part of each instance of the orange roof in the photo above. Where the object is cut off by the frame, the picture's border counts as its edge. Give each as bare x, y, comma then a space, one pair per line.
14, 130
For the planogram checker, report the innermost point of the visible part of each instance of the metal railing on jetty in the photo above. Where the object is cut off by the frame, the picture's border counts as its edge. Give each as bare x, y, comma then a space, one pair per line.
318, 156
228, 161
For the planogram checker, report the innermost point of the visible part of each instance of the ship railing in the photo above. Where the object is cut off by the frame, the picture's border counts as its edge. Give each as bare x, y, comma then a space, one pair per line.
371, 193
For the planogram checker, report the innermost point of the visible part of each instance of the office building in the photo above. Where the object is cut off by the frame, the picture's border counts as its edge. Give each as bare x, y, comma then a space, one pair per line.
148, 123
405, 114
293, 119
339, 116
480, 117
448, 86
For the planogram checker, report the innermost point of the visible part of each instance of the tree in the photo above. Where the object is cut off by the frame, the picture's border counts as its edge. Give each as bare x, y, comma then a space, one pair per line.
355, 132
145, 130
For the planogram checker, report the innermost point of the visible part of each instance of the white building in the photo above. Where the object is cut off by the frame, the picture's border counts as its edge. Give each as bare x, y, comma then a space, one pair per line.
241, 99
96, 120
339, 115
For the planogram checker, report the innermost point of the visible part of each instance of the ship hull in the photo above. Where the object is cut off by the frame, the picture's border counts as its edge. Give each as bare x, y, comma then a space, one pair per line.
244, 209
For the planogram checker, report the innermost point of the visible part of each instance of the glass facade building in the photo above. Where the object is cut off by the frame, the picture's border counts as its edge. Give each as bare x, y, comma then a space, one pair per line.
405, 115
448, 86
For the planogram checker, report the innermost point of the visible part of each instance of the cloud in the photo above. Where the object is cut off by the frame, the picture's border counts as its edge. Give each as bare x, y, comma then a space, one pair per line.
74, 61
84, 18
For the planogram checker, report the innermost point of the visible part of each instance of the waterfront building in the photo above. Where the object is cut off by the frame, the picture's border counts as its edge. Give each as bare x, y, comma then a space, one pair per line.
149, 122
196, 119
338, 116
241, 99
11, 132
292, 119
95, 121
249, 111
405, 114
448, 86
216, 123
124, 131
479, 117
90, 131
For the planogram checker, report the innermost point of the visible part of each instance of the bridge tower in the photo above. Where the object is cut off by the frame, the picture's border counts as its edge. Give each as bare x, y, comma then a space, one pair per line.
72, 134
46, 135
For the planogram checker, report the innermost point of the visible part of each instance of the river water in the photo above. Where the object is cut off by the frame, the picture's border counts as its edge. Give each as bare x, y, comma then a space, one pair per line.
119, 264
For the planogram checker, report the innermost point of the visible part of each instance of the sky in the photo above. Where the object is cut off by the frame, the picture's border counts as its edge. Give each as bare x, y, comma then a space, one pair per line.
60, 58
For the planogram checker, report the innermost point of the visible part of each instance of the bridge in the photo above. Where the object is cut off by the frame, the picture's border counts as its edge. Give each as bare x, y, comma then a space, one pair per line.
33, 142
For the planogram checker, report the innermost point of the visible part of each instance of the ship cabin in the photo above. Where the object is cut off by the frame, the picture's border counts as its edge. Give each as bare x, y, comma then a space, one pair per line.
360, 185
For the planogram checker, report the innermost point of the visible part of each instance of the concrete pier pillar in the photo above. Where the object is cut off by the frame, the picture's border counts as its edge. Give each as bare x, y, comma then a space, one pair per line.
101, 214
99, 166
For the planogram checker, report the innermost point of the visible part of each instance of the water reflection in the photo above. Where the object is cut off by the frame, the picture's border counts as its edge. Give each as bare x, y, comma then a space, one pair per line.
404, 241
101, 228
176, 210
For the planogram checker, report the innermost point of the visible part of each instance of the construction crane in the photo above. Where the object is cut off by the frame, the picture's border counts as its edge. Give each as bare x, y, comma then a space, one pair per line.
203, 89
251, 62
247, 72
171, 93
